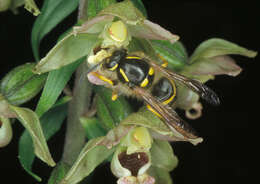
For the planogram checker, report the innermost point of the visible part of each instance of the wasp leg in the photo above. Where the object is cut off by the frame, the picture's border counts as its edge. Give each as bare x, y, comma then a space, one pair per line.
114, 96
153, 111
165, 63
103, 78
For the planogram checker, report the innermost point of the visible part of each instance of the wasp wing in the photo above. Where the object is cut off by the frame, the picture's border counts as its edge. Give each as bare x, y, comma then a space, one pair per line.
205, 92
169, 116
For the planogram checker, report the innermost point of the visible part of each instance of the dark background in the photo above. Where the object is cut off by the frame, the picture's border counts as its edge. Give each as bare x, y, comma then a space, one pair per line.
228, 153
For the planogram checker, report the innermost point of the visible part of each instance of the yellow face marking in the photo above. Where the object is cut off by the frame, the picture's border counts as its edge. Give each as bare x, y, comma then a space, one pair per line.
123, 74
153, 111
103, 78
165, 63
133, 57
151, 71
173, 95
144, 83
114, 67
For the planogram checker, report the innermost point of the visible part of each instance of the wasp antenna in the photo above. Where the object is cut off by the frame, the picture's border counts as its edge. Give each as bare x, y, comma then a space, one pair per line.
92, 68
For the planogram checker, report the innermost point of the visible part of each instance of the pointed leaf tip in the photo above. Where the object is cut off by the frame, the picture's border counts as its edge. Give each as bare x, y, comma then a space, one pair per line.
218, 47
32, 7
31, 122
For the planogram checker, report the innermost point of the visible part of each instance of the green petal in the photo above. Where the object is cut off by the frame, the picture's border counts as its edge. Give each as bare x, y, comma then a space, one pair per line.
131, 16
52, 13
218, 47
152, 31
147, 119
51, 123
90, 157
115, 135
68, 50
219, 65
163, 156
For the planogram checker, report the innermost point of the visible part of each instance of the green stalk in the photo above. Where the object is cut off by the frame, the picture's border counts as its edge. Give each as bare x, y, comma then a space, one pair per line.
75, 134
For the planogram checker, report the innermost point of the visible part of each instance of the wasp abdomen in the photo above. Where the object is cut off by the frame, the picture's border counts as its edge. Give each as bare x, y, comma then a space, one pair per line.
135, 71
164, 90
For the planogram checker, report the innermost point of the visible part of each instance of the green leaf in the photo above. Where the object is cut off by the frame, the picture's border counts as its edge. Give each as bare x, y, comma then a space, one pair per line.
15, 4
110, 112
58, 173
218, 47
131, 16
54, 85
95, 6
90, 157
51, 123
31, 122
52, 13
92, 127
32, 7
175, 54
163, 156
21, 84
161, 176
139, 5
68, 50
149, 120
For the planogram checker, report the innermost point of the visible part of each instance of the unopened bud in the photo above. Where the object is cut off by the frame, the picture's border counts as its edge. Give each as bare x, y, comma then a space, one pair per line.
21, 84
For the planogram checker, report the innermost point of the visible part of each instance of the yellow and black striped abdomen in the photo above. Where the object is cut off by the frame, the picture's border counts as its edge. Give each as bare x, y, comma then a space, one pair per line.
135, 71
164, 90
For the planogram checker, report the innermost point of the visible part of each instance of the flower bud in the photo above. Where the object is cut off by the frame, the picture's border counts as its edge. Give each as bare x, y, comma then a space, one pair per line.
4, 5
20, 84
6, 132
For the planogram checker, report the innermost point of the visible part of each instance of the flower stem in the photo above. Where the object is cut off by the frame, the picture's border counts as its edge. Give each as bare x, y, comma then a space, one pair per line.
75, 134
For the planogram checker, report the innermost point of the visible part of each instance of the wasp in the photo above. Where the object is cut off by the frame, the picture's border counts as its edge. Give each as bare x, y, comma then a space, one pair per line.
138, 76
